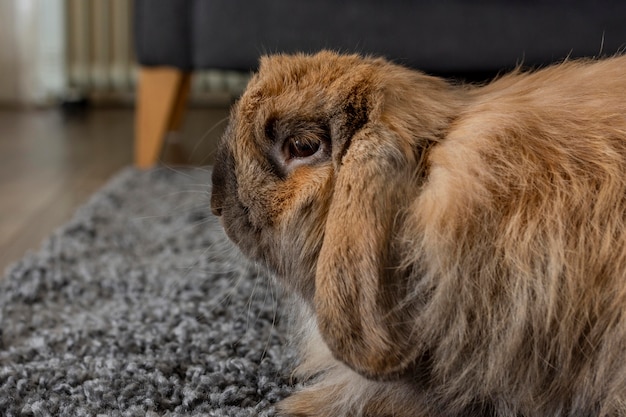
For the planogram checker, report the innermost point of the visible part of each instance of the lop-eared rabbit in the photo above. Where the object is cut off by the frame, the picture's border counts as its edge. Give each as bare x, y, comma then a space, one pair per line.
453, 250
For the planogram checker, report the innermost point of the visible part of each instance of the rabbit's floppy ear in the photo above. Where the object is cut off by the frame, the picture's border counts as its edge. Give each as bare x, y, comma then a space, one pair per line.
360, 287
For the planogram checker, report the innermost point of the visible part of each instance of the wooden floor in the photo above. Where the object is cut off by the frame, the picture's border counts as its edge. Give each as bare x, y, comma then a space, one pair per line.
51, 162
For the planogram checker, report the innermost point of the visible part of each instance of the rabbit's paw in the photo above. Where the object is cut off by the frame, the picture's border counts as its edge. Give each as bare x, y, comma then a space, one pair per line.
333, 401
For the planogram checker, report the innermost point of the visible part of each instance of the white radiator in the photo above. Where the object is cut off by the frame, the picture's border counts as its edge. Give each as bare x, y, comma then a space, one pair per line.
100, 59
99, 46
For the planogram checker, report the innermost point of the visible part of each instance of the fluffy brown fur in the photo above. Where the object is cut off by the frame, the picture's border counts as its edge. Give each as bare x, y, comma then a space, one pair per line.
458, 251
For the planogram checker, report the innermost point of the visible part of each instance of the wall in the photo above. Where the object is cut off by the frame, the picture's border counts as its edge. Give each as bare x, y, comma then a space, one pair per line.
32, 51
8, 53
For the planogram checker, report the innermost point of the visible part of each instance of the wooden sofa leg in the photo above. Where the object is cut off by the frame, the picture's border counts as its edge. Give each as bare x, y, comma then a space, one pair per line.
161, 98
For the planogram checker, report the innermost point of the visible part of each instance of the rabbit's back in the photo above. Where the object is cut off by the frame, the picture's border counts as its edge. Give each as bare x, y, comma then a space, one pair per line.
523, 216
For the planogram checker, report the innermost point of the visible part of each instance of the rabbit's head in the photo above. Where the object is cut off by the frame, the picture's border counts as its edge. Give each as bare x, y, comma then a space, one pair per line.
313, 178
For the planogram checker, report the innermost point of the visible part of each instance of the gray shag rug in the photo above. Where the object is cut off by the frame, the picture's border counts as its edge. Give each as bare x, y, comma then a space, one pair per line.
140, 306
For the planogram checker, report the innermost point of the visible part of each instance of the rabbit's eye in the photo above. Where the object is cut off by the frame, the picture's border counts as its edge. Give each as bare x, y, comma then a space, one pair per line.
302, 147
297, 143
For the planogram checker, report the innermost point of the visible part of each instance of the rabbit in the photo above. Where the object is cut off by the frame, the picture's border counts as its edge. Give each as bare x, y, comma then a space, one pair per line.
452, 249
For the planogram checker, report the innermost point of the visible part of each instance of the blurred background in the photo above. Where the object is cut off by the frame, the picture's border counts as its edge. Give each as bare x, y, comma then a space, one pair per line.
88, 87
68, 78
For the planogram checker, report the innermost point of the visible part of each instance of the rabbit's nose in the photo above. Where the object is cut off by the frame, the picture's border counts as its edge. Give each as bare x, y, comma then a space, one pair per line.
223, 181
215, 208
219, 182
217, 194
217, 200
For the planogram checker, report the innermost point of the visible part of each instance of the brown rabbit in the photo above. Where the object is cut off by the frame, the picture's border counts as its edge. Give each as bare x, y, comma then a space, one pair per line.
456, 250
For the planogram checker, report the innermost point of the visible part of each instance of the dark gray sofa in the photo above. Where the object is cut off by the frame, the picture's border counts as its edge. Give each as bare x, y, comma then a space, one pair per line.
175, 37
